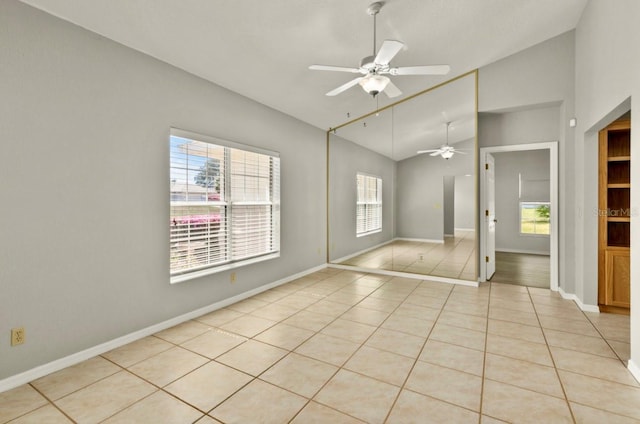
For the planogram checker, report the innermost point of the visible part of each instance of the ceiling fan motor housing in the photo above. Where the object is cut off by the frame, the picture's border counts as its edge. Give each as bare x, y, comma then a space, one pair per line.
374, 8
368, 63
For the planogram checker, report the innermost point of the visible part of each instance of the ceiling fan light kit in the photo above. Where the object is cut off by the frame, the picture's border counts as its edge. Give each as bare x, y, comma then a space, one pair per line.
374, 84
447, 154
373, 68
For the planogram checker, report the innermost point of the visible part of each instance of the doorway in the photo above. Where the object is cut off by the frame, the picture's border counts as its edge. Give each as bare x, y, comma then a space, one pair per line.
530, 203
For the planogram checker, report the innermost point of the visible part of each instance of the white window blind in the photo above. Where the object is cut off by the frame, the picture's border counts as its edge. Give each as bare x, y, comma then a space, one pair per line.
368, 204
224, 205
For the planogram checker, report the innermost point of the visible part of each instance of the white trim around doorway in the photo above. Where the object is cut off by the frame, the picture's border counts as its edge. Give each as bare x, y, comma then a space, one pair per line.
552, 146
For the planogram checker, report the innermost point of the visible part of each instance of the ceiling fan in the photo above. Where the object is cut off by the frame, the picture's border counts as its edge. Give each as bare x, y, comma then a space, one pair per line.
374, 68
445, 150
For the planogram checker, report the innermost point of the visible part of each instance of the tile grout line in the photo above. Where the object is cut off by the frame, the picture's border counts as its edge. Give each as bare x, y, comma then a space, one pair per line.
50, 402
415, 362
257, 377
161, 388
553, 361
604, 338
484, 356
311, 399
341, 367
308, 400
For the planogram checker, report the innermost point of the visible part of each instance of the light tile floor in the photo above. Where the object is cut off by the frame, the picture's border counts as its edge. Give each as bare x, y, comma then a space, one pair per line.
344, 347
455, 258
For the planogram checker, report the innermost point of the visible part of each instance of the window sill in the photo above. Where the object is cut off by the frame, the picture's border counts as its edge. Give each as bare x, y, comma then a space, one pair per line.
181, 278
368, 233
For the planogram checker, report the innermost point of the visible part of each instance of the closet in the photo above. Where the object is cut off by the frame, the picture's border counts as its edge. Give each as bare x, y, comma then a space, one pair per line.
614, 212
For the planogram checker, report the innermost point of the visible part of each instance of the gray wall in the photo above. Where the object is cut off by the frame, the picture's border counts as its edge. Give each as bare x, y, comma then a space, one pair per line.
420, 194
84, 124
448, 204
534, 82
531, 125
607, 84
533, 166
465, 202
346, 159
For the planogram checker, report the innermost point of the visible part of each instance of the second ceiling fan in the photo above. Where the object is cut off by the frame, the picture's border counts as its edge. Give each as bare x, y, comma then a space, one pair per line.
374, 68
445, 150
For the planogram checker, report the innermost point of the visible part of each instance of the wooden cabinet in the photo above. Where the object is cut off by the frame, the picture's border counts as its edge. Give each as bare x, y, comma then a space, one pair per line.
614, 211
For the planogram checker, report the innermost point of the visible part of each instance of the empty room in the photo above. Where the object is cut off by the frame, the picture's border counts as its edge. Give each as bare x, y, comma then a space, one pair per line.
319, 211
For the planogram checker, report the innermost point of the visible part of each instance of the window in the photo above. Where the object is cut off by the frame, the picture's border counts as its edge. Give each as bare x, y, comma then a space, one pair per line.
534, 218
224, 205
368, 205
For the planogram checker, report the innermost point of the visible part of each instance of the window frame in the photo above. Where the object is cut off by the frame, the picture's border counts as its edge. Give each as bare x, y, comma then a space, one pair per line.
521, 203
229, 203
378, 204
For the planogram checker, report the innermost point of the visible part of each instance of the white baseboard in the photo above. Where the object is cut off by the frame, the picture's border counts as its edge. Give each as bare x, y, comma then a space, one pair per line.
75, 358
581, 305
523, 251
449, 235
633, 369
465, 229
368, 249
407, 275
439, 241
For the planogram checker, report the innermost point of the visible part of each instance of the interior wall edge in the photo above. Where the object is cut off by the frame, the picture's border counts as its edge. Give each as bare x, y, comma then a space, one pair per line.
583, 306
634, 369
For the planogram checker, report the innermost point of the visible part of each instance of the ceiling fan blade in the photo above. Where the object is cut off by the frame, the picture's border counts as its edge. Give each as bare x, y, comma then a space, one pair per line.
344, 87
334, 68
421, 70
387, 51
391, 90
428, 151
459, 152
436, 153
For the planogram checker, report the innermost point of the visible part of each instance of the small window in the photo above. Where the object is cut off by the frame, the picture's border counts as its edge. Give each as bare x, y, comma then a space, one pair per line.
368, 204
224, 205
534, 218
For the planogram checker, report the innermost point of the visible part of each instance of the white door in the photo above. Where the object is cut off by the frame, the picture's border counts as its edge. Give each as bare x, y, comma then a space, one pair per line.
490, 216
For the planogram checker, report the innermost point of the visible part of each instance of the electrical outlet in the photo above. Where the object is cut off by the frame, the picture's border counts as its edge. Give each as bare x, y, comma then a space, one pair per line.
232, 277
17, 336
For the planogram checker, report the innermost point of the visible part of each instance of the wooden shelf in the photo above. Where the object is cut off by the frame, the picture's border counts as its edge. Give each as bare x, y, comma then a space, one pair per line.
614, 204
618, 219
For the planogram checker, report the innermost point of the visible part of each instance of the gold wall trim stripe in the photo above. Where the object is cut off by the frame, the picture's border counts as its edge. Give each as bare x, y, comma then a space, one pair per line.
409, 98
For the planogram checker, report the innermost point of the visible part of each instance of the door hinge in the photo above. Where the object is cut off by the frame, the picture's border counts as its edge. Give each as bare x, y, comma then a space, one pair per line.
486, 259
486, 212
486, 166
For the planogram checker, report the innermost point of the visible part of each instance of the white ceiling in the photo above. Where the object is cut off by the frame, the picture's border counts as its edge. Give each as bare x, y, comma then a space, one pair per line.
262, 49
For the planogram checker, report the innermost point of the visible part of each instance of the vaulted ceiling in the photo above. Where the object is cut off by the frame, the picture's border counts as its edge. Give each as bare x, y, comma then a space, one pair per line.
262, 49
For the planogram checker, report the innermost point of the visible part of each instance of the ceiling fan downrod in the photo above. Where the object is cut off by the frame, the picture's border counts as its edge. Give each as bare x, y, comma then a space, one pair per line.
369, 62
373, 10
